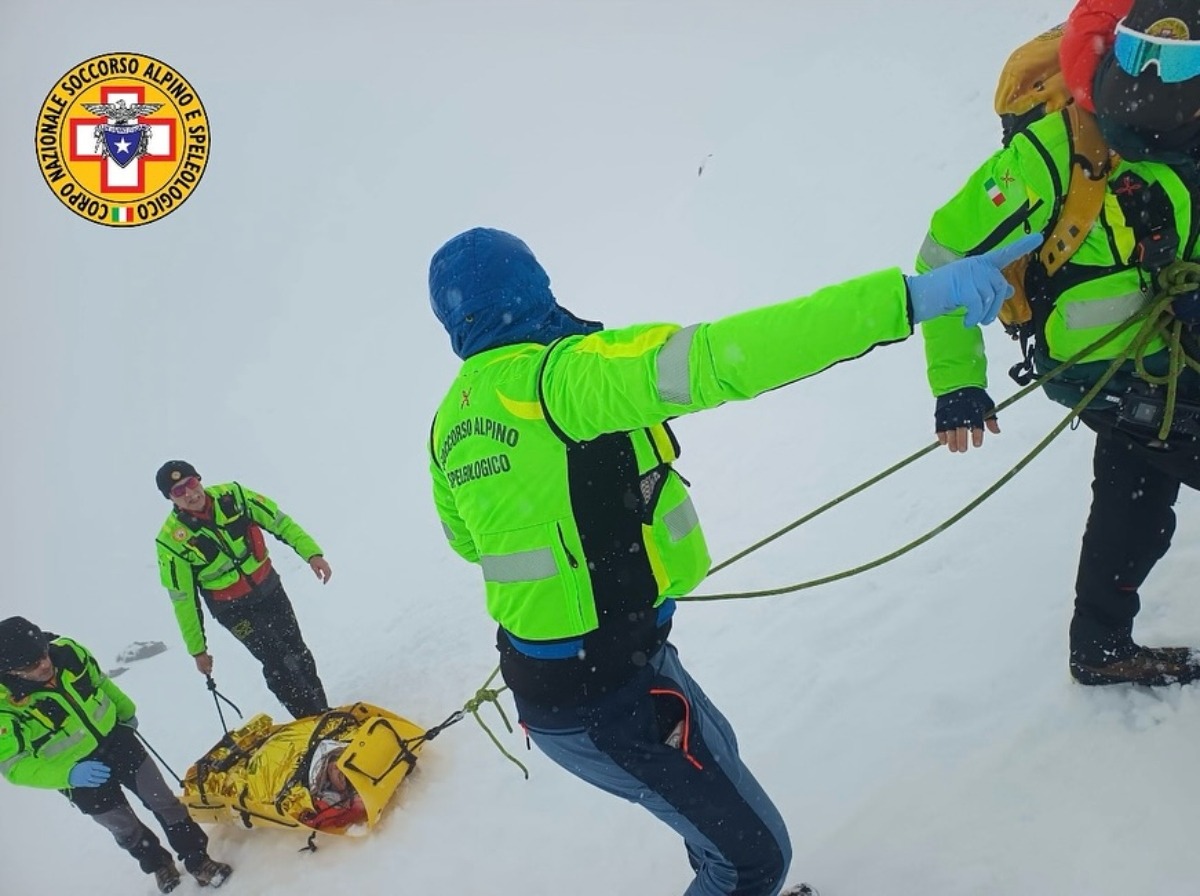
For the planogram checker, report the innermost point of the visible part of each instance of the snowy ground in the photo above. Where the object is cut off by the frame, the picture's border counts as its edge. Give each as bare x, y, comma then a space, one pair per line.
915, 724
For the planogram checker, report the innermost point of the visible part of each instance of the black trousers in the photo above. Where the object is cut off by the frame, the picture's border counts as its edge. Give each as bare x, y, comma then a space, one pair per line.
265, 622
132, 769
1129, 529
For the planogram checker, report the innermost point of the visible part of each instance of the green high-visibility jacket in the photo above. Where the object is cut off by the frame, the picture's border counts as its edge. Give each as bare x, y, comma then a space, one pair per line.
46, 728
207, 556
511, 441
1018, 191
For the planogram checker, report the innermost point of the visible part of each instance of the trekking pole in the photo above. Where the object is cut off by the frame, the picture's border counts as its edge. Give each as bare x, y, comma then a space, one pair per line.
212, 686
154, 753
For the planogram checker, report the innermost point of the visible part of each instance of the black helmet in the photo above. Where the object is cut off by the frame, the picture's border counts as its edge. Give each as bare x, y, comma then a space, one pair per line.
21, 643
171, 473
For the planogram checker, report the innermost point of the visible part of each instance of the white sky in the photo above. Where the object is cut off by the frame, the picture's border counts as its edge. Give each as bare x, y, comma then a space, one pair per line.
916, 725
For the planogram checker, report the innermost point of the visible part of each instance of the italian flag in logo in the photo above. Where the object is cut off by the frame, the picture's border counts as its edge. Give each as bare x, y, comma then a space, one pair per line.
994, 192
122, 214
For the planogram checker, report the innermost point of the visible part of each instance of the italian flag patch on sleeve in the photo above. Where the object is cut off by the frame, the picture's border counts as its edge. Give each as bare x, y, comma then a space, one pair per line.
994, 192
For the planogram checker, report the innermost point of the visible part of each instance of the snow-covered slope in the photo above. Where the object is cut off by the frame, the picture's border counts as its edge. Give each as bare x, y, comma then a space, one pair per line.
915, 724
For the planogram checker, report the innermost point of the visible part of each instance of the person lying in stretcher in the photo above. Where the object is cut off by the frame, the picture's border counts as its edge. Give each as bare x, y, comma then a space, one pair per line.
336, 804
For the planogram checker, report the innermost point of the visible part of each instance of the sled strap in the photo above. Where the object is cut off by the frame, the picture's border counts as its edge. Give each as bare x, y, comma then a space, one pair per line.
161, 761
212, 686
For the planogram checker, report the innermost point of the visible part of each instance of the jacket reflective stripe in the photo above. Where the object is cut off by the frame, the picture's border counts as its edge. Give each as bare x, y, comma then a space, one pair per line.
178, 595
9, 763
449, 532
524, 566
219, 571
58, 746
1083, 315
682, 520
934, 254
103, 704
674, 374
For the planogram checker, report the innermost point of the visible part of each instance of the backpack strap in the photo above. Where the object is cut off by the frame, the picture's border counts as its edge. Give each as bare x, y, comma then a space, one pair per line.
1151, 216
1091, 164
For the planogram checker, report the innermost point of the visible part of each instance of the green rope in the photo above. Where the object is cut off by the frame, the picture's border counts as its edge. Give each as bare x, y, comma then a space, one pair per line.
490, 695
937, 530
1175, 279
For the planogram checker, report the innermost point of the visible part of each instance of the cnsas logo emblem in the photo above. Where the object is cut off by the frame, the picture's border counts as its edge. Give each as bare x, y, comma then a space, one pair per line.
122, 139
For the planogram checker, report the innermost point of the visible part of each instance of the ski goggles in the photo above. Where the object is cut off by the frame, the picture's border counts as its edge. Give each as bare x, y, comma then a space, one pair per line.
1177, 60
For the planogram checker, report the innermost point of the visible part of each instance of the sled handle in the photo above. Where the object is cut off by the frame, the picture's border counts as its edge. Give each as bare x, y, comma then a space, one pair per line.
403, 755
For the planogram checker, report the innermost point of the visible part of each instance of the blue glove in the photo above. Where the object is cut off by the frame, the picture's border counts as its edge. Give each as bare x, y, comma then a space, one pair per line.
130, 722
964, 407
974, 283
89, 773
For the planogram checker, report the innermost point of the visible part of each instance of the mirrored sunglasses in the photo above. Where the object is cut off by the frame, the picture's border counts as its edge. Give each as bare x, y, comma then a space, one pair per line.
181, 488
1177, 60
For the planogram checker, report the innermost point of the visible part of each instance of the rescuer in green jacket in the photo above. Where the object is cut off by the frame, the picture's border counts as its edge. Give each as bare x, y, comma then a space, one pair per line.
212, 547
1148, 219
552, 467
66, 726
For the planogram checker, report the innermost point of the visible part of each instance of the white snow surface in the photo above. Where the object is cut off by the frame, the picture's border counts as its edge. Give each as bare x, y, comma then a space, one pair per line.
915, 724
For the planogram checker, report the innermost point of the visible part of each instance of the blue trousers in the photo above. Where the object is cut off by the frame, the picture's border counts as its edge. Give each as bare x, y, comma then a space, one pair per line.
626, 744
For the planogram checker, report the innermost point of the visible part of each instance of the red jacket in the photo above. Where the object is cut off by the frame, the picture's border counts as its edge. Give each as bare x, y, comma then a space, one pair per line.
1089, 35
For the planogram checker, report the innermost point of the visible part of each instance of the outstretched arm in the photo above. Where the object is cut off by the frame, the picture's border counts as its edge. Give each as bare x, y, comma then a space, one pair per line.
625, 379
620, 380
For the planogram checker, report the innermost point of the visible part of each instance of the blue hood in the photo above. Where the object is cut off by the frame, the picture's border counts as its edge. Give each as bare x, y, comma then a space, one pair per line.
488, 290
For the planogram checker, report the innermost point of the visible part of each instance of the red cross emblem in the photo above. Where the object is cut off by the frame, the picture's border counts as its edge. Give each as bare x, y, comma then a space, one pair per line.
115, 140
1128, 186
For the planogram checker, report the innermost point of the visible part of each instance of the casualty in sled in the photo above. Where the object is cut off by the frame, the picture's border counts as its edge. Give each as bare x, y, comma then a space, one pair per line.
333, 773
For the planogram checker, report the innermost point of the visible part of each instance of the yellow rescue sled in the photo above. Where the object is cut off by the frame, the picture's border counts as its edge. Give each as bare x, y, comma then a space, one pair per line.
335, 772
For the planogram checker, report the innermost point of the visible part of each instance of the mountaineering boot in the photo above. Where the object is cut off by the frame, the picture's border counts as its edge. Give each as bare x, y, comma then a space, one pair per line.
800, 890
211, 873
167, 878
1150, 666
